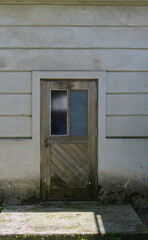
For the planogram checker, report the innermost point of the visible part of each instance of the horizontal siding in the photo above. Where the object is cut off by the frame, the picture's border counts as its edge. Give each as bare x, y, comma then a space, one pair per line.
94, 59
73, 15
124, 82
127, 104
15, 104
73, 37
77, 2
15, 126
15, 82
81, 28
127, 126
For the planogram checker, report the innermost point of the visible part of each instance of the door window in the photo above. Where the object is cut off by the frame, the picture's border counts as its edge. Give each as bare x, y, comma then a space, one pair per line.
69, 111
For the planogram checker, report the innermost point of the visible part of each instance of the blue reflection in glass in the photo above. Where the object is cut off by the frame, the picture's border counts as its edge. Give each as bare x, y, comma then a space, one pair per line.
79, 113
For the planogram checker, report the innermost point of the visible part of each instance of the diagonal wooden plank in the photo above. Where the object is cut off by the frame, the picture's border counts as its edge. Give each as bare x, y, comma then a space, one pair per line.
75, 180
72, 172
79, 151
61, 181
72, 164
57, 182
76, 156
67, 176
83, 148
62, 172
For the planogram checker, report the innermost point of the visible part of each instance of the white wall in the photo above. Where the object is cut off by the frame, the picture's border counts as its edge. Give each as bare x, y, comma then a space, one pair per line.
127, 104
15, 104
20, 168
77, 38
123, 155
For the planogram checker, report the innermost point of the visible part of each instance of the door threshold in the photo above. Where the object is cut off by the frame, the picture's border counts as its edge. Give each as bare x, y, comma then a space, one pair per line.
71, 202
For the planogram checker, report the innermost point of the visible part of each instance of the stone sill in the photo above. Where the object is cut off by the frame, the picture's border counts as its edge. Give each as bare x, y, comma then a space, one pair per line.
79, 2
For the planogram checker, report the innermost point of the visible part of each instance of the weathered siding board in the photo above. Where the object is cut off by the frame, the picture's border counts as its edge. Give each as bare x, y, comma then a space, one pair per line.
15, 82
75, 37
94, 59
130, 82
127, 104
78, 2
73, 15
15, 100
15, 126
127, 126
15, 104
127, 94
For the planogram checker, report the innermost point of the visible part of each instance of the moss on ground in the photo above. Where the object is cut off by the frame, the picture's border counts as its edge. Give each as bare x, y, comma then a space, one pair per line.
108, 236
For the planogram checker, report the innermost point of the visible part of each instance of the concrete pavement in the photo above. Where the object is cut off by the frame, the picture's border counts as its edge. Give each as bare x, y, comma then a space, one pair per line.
68, 220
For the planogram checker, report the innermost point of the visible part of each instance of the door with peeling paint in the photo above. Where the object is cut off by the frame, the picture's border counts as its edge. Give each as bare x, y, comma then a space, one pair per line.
68, 139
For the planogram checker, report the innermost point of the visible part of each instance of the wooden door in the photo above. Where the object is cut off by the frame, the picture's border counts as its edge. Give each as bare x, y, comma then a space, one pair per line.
68, 139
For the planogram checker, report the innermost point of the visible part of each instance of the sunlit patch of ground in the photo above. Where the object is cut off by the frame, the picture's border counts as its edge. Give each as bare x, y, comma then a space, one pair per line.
69, 219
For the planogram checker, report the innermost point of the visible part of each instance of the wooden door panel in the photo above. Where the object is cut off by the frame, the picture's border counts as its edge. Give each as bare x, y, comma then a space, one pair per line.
76, 173
72, 149
71, 159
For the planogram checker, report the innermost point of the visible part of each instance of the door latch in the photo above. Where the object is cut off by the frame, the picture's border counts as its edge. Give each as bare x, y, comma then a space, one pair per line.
46, 142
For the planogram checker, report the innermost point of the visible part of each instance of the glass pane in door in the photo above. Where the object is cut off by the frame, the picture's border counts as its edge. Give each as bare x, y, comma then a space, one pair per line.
58, 112
79, 113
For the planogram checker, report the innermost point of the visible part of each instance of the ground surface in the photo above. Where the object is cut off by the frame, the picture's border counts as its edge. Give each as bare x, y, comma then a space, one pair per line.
68, 219
143, 215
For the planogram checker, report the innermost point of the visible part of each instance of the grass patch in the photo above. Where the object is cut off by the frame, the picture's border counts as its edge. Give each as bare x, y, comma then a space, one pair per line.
72, 227
2, 220
79, 207
2, 207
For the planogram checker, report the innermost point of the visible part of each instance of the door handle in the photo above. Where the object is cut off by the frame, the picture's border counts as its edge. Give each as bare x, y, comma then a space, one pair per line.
46, 142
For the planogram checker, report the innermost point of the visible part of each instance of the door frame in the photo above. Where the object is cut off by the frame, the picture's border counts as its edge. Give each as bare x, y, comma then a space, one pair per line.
37, 76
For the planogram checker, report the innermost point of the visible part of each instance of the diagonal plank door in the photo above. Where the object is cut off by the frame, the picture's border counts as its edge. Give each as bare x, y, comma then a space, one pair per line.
68, 160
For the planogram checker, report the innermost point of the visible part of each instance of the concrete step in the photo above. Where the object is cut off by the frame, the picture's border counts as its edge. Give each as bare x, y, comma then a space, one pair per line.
71, 220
